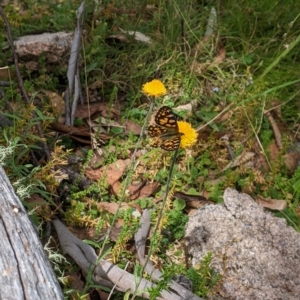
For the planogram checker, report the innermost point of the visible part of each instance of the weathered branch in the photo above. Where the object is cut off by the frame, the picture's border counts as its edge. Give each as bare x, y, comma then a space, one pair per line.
72, 94
26, 272
104, 273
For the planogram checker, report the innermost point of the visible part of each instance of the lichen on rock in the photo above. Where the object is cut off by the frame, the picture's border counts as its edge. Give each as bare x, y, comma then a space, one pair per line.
257, 254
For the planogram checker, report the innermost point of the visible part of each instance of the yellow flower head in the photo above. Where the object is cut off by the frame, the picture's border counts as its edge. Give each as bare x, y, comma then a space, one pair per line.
154, 88
189, 134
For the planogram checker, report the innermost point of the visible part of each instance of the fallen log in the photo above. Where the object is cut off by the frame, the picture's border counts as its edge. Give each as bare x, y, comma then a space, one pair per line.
25, 271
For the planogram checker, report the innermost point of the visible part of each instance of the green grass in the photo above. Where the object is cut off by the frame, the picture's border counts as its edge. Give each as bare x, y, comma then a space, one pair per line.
260, 71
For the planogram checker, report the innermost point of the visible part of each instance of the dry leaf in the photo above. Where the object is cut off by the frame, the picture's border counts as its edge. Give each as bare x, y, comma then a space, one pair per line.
292, 161
188, 107
84, 233
35, 200
138, 36
260, 162
193, 201
117, 39
132, 127
96, 159
192, 212
272, 203
240, 160
115, 187
112, 172
137, 191
98, 124
103, 110
95, 126
112, 207
221, 55
145, 191
58, 104
114, 233
103, 295
276, 131
76, 284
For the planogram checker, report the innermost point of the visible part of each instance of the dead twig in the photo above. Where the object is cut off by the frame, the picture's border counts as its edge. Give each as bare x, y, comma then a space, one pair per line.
275, 128
225, 139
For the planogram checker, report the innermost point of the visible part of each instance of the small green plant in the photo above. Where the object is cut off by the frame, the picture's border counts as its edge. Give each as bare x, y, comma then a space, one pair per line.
175, 224
22, 176
204, 279
130, 226
163, 284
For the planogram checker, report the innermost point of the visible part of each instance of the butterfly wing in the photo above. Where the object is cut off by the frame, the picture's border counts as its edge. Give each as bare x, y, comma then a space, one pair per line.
171, 144
166, 118
166, 131
155, 131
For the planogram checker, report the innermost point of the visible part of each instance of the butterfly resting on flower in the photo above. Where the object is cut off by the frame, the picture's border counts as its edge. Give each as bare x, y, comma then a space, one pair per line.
166, 130
170, 134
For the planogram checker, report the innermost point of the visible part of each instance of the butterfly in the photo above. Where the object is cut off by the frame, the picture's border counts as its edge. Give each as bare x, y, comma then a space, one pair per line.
165, 130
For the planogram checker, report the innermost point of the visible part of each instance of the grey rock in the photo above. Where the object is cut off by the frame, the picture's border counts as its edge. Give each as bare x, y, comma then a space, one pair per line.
257, 254
55, 46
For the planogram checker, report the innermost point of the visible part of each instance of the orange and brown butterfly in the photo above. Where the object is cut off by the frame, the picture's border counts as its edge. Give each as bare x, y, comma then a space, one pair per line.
166, 130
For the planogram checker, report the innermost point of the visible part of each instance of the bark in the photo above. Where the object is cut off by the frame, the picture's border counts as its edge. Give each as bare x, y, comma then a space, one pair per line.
25, 271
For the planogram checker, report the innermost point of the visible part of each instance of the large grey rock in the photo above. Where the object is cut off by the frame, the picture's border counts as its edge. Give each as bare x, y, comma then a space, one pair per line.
257, 254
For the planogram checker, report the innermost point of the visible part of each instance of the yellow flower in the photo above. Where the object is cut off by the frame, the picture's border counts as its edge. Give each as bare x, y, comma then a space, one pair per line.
189, 134
154, 88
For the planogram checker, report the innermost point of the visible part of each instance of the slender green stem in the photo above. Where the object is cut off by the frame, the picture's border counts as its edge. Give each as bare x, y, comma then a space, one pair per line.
160, 214
127, 179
